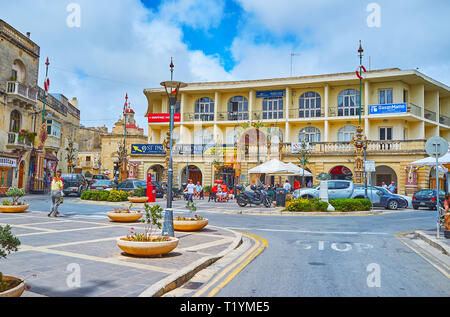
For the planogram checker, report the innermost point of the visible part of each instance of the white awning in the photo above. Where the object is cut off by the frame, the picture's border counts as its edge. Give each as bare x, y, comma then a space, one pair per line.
276, 167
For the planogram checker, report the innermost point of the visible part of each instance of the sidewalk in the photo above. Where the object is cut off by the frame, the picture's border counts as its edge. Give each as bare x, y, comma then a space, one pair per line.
64, 251
430, 236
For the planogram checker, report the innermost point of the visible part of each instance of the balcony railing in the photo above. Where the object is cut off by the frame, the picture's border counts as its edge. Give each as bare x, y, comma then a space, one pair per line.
444, 120
345, 111
297, 113
430, 115
195, 116
13, 139
232, 116
409, 146
16, 88
414, 109
268, 115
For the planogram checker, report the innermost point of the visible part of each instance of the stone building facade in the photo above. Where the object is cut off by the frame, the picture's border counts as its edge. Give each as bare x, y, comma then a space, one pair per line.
90, 150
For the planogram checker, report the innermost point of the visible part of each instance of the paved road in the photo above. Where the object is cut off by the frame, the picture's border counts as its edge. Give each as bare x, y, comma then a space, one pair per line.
320, 256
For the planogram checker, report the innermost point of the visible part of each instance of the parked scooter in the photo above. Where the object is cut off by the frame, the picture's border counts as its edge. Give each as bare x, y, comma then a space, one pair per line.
257, 196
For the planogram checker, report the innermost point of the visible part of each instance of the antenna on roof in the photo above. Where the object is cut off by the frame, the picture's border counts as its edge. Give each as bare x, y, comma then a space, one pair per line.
292, 55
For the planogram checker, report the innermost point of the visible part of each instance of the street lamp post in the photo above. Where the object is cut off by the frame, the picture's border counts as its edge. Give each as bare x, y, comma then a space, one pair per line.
174, 87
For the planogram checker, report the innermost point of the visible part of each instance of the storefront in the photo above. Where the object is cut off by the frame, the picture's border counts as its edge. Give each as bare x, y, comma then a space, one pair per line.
7, 166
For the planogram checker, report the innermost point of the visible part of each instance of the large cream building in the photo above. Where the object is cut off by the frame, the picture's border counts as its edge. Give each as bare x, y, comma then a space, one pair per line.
268, 118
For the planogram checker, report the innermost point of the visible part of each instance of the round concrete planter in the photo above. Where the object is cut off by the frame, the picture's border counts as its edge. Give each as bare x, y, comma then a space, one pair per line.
13, 292
147, 248
138, 200
13, 209
189, 225
125, 217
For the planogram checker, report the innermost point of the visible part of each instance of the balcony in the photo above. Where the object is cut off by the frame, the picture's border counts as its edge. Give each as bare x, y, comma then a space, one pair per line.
444, 120
297, 113
232, 116
87, 164
268, 115
373, 147
195, 116
430, 115
345, 111
15, 143
22, 94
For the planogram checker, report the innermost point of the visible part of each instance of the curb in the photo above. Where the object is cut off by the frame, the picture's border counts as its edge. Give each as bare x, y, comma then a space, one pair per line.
177, 279
433, 242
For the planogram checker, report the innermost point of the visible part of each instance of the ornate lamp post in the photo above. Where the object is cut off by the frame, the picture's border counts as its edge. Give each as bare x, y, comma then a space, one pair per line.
70, 156
123, 172
304, 151
174, 87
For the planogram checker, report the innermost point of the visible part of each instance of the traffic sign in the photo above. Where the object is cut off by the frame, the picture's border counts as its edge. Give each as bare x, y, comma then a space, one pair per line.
369, 166
436, 147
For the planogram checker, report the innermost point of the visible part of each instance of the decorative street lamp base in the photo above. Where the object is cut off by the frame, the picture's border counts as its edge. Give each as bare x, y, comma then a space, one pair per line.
168, 223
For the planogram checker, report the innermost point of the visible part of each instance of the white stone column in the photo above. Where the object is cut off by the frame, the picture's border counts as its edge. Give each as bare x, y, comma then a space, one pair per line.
326, 131
182, 107
288, 103
326, 101
251, 101
216, 105
366, 98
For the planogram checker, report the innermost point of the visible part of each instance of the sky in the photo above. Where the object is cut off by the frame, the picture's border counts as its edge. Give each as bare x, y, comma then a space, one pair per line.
104, 49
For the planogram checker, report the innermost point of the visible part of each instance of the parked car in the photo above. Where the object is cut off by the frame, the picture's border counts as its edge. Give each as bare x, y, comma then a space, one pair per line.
74, 184
336, 189
381, 197
427, 198
101, 184
130, 185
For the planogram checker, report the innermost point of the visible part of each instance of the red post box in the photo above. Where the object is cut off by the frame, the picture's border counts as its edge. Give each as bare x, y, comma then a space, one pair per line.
150, 189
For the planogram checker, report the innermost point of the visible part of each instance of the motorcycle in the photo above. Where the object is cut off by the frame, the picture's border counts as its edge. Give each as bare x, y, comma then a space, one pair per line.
257, 196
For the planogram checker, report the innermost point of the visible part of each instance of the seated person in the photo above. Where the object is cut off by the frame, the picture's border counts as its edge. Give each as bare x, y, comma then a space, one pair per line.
231, 194
213, 193
224, 189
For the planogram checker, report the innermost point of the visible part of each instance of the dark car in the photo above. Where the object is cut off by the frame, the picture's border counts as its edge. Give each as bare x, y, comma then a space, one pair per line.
427, 198
381, 197
101, 184
74, 184
130, 185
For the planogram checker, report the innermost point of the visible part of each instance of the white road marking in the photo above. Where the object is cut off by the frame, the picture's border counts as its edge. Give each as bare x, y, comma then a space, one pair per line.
307, 231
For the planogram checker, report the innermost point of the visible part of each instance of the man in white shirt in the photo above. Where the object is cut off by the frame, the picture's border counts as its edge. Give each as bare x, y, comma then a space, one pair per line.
190, 188
287, 187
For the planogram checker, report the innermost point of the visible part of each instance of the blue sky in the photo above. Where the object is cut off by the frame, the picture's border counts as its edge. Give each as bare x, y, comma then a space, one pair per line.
124, 46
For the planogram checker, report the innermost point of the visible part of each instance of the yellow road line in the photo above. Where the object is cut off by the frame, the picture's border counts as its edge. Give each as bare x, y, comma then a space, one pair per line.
261, 246
229, 268
446, 274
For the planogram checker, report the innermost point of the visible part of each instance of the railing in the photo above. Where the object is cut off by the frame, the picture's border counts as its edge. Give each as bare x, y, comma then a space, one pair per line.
13, 139
268, 115
232, 116
409, 146
430, 115
16, 88
345, 111
297, 113
414, 109
195, 116
444, 120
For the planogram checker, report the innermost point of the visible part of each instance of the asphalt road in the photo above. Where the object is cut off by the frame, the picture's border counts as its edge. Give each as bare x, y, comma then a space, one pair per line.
319, 256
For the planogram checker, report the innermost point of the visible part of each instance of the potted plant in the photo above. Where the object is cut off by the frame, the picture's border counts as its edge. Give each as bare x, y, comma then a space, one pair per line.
125, 214
9, 286
189, 223
144, 244
14, 205
138, 195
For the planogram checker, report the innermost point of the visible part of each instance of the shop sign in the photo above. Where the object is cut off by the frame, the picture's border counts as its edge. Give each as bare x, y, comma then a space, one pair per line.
8, 162
163, 117
270, 94
147, 149
389, 108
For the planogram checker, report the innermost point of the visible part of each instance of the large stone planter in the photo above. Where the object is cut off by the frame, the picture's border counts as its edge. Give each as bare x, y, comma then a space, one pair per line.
13, 209
138, 200
125, 217
13, 292
147, 248
189, 225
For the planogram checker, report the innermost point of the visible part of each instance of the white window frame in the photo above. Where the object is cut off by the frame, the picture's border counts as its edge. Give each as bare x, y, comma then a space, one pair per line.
347, 109
274, 108
55, 128
385, 133
312, 105
383, 92
345, 132
312, 135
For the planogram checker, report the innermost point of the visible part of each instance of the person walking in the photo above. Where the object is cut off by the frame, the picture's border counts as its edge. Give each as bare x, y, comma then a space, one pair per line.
190, 189
56, 186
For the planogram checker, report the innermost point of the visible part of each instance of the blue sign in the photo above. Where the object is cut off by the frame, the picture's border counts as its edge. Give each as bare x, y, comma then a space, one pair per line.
389, 108
270, 94
147, 149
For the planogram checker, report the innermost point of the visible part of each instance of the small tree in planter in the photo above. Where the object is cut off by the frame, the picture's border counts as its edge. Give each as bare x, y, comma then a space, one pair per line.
15, 194
8, 244
191, 223
152, 217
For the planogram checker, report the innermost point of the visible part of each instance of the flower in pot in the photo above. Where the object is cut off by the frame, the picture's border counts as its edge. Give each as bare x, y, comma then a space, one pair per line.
14, 205
189, 223
9, 286
144, 244
125, 214
138, 195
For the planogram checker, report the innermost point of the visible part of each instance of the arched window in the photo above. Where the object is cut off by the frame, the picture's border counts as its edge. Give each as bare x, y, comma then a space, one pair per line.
238, 108
18, 71
346, 133
309, 105
348, 103
203, 137
204, 109
14, 121
309, 134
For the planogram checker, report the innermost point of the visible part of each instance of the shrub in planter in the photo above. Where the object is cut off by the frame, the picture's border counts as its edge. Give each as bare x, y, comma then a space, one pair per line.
8, 244
153, 215
118, 195
99, 195
306, 205
15, 194
139, 192
351, 204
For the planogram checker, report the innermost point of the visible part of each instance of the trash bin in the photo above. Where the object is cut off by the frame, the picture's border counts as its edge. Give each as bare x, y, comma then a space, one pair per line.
280, 197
